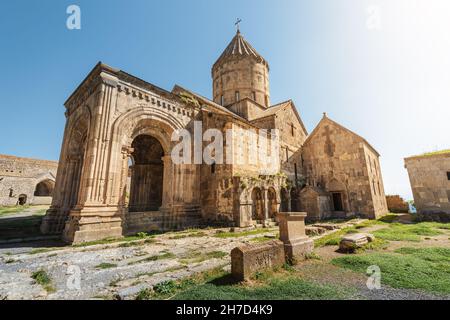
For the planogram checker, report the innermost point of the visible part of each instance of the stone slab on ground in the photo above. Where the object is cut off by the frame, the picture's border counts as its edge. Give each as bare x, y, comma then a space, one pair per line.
354, 241
247, 260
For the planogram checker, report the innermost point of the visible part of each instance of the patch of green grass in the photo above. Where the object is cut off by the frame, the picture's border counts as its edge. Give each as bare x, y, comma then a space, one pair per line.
334, 238
216, 284
12, 209
389, 218
106, 265
189, 235
136, 243
42, 278
289, 288
137, 237
43, 250
411, 268
313, 256
242, 234
406, 232
166, 255
195, 256
375, 245
261, 239
433, 153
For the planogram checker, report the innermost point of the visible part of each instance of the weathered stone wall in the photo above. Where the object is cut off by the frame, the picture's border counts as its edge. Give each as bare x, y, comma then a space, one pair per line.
430, 182
336, 160
20, 176
292, 137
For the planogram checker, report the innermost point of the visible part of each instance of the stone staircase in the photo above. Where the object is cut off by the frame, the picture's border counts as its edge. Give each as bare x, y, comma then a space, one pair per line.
269, 223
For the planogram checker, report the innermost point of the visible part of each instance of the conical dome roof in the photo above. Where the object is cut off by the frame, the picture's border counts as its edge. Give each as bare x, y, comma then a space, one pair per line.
240, 47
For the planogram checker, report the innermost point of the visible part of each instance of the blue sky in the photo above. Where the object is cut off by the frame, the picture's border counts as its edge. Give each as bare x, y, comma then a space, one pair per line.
380, 68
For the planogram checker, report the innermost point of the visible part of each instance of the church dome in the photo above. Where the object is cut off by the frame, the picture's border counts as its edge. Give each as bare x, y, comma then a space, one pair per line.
240, 73
239, 47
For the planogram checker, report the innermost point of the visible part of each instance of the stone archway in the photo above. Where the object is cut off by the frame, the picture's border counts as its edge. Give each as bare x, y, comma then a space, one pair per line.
44, 188
257, 204
146, 185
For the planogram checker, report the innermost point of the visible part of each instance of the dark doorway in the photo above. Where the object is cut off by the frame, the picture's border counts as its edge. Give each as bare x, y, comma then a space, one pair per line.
284, 200
337, 201
146, 175
22, 200
294, 200
258, 205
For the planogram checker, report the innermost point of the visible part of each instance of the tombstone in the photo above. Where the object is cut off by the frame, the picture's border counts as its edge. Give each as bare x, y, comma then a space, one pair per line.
292, 233
249, 259
354, 241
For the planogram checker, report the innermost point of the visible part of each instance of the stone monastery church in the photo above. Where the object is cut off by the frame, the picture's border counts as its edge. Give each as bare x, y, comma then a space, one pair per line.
116, 175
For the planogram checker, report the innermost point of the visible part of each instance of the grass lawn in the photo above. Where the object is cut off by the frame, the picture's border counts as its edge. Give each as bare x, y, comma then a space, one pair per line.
217, 284
407, 232
11, 210
411, 268
243, 233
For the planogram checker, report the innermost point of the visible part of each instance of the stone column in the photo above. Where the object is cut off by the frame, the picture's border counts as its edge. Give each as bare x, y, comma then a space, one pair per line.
167, 195
292, 232
94, 218
265, 195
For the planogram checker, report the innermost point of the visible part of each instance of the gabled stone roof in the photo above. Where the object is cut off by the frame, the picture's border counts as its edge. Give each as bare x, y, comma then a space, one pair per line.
239, 47
326, 119
273, 110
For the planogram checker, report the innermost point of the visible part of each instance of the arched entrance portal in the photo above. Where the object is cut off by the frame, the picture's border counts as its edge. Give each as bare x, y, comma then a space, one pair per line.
258, 205
44, 188
146, 185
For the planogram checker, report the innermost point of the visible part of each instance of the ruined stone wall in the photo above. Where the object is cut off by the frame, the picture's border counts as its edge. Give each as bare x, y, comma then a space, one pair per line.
430, 182
336, 160
20, 176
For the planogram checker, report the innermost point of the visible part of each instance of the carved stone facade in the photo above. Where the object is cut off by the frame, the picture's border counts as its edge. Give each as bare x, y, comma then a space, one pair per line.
26, 181
117, 175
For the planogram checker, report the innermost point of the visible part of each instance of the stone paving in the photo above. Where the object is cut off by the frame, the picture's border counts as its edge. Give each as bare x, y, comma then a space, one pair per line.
120, 269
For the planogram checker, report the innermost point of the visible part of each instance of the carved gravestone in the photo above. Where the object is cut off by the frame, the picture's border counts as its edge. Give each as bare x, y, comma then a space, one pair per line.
246, 260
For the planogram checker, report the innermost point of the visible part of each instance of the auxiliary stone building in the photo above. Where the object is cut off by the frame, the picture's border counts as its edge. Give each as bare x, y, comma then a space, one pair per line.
429, 175
117, 176
26, 181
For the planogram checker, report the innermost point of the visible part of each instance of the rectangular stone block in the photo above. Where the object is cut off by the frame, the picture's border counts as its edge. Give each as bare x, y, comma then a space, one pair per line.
247, 260
292, 233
